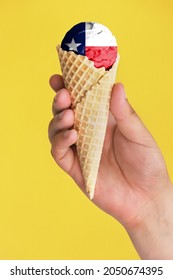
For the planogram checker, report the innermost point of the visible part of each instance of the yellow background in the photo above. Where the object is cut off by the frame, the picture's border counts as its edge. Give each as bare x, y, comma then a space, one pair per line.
43, 215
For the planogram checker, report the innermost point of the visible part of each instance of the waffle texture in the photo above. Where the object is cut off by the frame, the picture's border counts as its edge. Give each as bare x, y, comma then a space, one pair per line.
90, 90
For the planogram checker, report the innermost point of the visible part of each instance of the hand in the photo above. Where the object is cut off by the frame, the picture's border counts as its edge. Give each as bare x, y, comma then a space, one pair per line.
132, 177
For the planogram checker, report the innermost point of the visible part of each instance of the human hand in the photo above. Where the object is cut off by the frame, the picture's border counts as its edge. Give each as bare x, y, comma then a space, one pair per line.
132, 177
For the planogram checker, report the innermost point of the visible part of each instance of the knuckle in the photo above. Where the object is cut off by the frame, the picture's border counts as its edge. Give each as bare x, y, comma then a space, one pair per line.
54, 147
54, 154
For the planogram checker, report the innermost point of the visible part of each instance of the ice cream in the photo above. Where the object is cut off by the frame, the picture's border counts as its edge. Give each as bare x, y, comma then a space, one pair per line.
93, 40
89, 59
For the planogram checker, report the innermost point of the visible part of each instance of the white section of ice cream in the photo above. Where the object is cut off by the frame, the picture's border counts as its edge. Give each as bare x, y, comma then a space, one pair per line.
98, 35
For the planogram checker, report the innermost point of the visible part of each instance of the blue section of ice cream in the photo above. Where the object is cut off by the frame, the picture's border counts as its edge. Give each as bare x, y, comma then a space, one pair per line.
74, 39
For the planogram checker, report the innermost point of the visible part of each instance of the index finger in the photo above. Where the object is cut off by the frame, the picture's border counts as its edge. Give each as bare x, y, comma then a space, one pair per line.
56, 82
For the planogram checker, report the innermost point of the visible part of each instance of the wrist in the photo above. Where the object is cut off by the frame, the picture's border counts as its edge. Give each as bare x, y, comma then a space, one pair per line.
152, 234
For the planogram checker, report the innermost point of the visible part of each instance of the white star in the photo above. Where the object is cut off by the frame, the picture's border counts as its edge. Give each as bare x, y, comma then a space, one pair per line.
73, 46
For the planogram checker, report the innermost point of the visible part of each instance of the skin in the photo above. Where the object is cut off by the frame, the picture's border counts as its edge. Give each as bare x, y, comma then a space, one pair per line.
137, 190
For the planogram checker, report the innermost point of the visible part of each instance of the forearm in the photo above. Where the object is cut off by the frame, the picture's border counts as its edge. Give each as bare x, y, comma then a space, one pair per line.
153, 236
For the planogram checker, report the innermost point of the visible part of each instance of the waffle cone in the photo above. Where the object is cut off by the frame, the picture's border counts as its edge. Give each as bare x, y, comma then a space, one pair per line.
90, 89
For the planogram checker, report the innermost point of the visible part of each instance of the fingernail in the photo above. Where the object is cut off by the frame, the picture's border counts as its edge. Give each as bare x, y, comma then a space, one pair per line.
124, 94
61, 115
66, 134
56, 96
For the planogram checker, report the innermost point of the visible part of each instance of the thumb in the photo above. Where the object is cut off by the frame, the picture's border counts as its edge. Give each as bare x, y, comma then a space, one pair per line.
127, 120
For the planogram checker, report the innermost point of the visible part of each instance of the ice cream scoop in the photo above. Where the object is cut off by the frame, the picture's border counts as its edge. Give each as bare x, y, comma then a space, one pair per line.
93, 40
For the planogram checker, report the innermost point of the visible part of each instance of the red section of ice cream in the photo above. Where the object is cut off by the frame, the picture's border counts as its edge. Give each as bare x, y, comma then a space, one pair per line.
102, 56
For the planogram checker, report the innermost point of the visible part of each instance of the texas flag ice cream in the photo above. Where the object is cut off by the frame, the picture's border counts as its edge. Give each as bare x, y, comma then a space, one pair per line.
89, 58
93, 40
